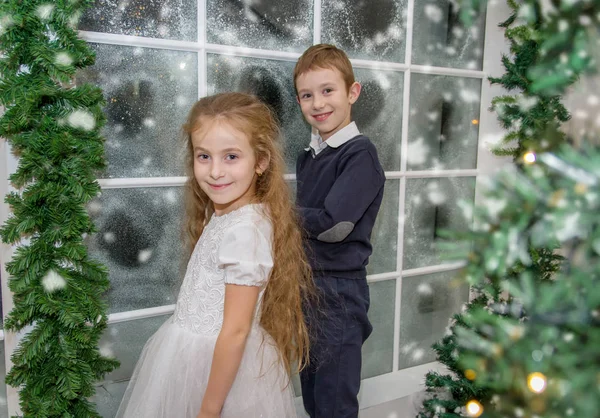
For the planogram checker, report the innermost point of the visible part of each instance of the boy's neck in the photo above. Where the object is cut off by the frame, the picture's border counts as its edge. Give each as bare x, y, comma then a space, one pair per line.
316, 132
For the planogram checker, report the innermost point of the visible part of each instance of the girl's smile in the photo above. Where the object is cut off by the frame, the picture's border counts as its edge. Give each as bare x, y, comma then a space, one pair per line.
225, 166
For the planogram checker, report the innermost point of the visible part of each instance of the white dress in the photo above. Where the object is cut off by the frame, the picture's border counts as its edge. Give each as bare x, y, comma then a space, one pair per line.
171, 375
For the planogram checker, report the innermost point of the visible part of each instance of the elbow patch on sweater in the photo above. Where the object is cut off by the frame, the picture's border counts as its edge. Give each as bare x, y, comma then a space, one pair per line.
337, 233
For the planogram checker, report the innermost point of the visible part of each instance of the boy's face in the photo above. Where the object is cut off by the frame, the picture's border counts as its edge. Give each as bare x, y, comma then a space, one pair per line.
325, 101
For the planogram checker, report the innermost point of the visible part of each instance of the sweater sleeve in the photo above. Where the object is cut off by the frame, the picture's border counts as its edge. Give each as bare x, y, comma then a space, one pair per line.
354, 190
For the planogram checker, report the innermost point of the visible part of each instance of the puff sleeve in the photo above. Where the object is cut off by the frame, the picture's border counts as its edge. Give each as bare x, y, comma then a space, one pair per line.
246, 254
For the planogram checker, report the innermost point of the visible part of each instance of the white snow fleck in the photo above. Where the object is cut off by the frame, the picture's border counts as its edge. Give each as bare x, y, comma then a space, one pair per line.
425, 289
149, 123
5, 22
44, 11
571, 228
526, 103
106, 351
418, 152
418, 354
144, 255
62, 58
469, 96
494, 207
563, 25
53, 281
109, 237
434, 13
82, 119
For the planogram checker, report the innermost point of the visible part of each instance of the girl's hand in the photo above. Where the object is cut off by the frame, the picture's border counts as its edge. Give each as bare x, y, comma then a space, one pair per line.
207, 413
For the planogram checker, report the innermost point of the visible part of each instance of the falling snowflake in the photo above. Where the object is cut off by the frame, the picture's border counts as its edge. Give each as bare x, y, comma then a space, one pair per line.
53, 281
418, 354
434, 13
494, 207
144, 255
571, 228
149, 123
109, 237
435, 195
82, 119
44, 11
425, 289
418, 152
106, 351
5, 22
64, 59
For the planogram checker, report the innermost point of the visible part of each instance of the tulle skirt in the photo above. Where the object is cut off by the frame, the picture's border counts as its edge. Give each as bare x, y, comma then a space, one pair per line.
171, 375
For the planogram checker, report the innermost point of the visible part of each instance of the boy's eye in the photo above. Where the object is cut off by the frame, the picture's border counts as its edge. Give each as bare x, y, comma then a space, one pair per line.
305, 96
328, 90
203, 157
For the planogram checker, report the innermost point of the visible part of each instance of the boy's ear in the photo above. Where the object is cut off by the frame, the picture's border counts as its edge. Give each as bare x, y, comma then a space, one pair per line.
354, 92
297, 99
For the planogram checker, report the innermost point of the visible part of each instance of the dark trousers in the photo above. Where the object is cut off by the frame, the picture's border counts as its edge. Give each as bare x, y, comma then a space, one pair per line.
339, 325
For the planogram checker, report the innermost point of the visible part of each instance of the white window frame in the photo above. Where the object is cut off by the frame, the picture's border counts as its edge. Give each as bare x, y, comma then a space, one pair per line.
375, 390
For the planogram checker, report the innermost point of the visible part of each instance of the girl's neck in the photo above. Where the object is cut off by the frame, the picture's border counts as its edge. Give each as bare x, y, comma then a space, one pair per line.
230, 210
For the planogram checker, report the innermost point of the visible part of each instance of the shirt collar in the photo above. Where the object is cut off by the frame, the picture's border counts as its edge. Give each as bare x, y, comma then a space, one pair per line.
339, 138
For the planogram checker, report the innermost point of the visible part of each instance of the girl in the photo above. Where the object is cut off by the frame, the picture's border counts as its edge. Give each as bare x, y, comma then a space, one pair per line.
238, 327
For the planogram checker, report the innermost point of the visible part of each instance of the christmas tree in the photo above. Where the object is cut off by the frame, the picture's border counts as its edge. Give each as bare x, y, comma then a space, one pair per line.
510, 249
535, 353
53, 127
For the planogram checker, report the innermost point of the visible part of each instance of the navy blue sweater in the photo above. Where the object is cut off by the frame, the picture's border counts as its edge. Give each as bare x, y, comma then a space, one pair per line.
339, 194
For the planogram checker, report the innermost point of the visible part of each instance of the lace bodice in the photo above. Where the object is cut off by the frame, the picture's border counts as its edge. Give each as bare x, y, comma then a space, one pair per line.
234, 248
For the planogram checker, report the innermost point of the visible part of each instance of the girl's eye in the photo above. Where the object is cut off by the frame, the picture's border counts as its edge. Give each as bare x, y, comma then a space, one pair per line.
328, 90
203, 157
231, 157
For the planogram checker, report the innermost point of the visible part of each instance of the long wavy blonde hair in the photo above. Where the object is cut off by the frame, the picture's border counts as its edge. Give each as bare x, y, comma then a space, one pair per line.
290, 282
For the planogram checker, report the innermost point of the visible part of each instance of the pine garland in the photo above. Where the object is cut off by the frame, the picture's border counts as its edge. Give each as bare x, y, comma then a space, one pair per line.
54, 128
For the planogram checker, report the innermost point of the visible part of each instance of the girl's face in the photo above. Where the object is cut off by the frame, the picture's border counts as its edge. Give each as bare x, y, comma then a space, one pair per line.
224, 165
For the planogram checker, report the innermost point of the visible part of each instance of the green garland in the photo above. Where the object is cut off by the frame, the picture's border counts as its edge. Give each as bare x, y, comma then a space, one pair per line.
54, 128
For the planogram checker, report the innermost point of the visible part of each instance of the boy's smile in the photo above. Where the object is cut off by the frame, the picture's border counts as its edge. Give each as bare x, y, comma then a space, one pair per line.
325, 101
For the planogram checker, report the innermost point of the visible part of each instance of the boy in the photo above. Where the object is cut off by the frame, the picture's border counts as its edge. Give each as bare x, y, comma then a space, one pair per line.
340, 186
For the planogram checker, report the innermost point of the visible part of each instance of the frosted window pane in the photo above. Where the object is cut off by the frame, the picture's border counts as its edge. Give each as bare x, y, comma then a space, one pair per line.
373, 29
385, 232
444, 122
280, 25
427, 304
139, 240
441, 40
378, 350
272, 82
378, 113
168, 19
3, 402
108, 398
431, 205
148, 94
125, 340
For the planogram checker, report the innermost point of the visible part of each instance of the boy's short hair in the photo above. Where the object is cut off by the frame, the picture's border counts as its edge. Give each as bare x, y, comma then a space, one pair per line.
325, 56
